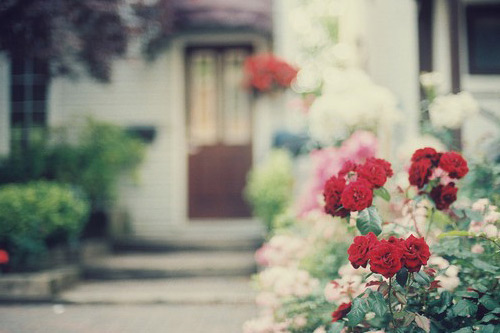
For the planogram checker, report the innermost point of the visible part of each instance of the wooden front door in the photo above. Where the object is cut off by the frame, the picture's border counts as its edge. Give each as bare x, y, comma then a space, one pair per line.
219, 131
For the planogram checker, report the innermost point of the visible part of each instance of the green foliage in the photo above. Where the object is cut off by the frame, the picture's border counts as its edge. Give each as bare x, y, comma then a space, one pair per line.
314, 308
369, 220
31, 214
325, 261
483, 181
269, 187
94, 164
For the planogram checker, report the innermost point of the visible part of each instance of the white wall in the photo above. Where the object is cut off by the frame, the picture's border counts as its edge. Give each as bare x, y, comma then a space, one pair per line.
390, 42
139, 94
4, 104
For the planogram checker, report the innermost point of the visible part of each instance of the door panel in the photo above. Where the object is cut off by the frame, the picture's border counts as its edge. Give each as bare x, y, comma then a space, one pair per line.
219, 129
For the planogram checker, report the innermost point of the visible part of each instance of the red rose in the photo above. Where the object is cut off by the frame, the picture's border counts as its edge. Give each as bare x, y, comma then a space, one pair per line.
426, 153
359, 249
416, 253
374, 173
341, 311
4, 257
420, 172
386, 258
383, 163
454, 164
332, 194
349, 166
357, 195
396, 241
444, 195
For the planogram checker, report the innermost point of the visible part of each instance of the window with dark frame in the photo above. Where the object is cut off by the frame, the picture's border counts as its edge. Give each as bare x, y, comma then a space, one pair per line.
28, 99
483, 38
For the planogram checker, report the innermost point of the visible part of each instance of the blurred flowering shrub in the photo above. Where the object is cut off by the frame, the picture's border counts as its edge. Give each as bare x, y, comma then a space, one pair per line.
269, 187
266, 72
38, 214
428, 264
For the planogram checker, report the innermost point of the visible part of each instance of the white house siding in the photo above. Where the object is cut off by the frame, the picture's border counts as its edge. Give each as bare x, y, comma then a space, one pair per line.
139, 94
4, 104
390, 43
485, 88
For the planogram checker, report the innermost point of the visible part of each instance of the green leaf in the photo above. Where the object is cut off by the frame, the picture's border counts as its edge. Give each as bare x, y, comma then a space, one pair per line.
488, 302
358, 311
422, 278
423, 322
456, 233
473, 215
377, 303
489, 317
464, 308
336, 327
383, 193
488, 329
482, 265
406, 317
464, 330
369, 221
402, 276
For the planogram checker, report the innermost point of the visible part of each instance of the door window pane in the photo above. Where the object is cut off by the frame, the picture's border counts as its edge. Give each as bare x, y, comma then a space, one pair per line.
202, 92
236, 106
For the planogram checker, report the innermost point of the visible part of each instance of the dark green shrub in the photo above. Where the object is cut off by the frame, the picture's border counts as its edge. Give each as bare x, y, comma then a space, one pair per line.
33, 213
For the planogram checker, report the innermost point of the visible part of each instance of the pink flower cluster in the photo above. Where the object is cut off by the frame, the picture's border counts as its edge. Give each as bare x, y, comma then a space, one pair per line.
266, 72
360, 146
352, 189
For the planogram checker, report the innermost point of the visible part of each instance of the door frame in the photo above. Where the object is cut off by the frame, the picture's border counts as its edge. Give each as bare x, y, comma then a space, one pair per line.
177, 109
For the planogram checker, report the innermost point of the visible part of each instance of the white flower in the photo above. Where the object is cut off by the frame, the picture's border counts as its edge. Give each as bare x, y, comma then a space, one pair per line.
477, 248
451, 110
431, 79
491, 231
448, 283
480, 205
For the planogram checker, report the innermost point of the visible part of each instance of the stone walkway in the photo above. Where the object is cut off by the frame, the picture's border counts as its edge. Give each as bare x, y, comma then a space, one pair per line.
198, 284
122, 318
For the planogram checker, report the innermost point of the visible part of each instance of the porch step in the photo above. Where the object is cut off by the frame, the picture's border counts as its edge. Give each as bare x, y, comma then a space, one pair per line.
207, 290
170, 265
200, 235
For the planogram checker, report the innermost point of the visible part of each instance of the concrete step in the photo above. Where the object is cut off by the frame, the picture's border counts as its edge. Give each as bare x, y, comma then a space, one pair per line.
208, 290
200, 235
170, 265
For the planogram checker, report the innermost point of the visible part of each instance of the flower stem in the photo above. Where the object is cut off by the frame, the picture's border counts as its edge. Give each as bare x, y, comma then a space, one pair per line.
390, 303
431, 220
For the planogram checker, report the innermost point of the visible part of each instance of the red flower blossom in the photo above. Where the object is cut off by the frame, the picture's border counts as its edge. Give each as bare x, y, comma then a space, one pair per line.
383, 163
332, 194
386, 258
454, 164
416, 253
341, 311
426, 153
359, 249
420, 172
348, 167
357, 195
374, 173
4, 257
265, 72
444, 195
